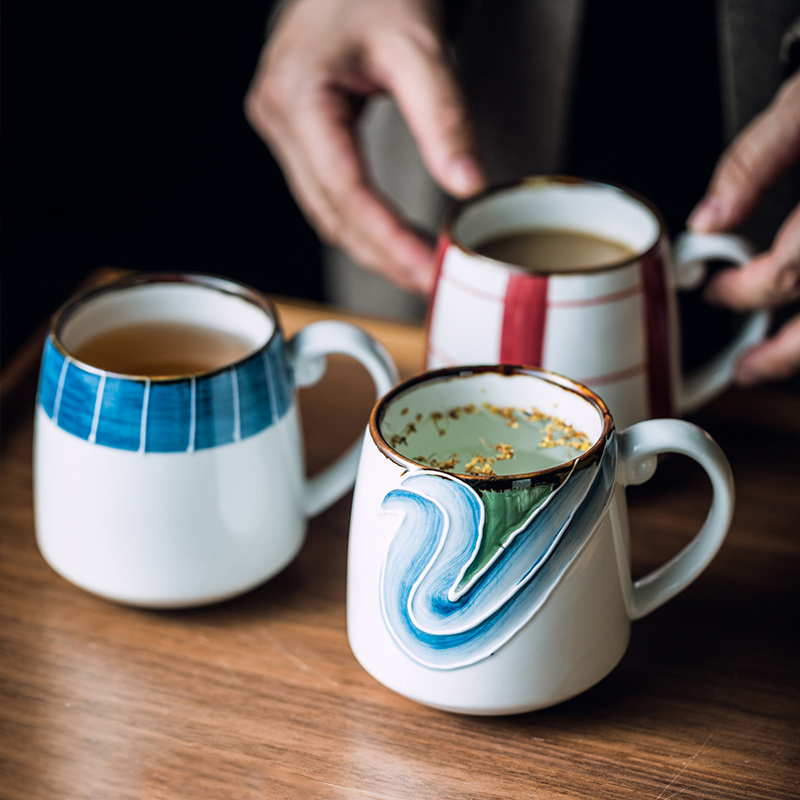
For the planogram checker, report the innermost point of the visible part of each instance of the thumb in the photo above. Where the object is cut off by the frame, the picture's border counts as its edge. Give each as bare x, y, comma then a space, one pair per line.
769, 280
753, 162
432, 102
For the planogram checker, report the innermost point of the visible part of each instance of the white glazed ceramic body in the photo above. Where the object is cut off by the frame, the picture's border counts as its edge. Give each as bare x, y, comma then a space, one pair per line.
206, 498
557, 621
613, 329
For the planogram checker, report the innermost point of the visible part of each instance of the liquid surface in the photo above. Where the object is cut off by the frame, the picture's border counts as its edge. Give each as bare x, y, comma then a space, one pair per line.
487, 440
159, 349
555, 250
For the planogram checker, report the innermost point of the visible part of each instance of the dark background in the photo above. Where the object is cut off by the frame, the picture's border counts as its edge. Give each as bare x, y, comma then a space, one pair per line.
124, 144
123, 141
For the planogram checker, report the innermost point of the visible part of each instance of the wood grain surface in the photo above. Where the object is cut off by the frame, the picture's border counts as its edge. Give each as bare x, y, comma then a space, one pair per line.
260, 697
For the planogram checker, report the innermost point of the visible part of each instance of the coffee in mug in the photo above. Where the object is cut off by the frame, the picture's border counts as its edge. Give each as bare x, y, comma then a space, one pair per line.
555, 250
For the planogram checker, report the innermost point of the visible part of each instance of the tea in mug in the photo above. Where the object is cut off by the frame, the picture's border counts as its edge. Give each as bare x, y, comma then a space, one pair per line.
486, 440
555, 250
160, 349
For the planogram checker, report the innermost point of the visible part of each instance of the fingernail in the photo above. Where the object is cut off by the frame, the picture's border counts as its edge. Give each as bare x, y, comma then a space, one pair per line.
465, 176
707, 215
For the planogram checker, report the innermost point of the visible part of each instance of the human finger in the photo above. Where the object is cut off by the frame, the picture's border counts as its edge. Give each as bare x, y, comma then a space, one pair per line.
331, 183
433, 104
774, 359
769, 280
754, 161
316, 148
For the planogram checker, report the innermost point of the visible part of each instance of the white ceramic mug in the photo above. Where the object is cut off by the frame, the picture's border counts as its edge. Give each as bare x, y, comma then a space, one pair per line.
613, 328
507, 593
182, 490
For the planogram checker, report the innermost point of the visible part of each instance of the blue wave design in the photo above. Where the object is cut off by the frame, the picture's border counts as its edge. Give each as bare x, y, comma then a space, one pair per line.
443, 522
169, 416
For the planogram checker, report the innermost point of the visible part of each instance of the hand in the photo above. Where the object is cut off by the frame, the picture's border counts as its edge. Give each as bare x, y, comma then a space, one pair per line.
324, 59
753, 162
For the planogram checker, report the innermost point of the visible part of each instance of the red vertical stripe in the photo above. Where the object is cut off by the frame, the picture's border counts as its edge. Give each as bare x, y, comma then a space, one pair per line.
657, 326
441, 250
522, 339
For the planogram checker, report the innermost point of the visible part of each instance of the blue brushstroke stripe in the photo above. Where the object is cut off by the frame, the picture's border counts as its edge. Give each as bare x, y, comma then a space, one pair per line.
49, 377
169, 417
254, 390
259, 390
215, 412
78, 399
120, 422
279, 376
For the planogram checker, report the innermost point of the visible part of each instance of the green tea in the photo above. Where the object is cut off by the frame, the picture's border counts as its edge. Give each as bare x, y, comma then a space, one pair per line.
486, 440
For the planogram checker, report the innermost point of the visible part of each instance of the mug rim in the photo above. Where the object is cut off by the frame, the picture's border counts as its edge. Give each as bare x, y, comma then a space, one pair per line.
493, 482
539, 180
206, 280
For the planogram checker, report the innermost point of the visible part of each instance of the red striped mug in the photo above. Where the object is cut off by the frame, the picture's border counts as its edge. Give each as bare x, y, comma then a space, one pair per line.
613, 326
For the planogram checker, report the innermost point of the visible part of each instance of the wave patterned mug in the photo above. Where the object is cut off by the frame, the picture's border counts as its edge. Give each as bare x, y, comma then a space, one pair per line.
579, 277
489, 560
168, 456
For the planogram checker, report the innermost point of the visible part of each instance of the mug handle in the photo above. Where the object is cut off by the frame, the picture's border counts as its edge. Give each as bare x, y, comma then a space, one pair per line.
639, 447
690, 254
307, 350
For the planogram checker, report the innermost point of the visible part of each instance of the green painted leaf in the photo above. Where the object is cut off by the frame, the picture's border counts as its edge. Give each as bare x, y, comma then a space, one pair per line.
505, 512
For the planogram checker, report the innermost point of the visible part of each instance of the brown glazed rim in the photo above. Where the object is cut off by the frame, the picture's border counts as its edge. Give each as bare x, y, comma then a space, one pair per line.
209, 281
495, 482
532, 181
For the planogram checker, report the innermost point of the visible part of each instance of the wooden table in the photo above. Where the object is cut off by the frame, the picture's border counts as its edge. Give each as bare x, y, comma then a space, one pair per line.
260, 697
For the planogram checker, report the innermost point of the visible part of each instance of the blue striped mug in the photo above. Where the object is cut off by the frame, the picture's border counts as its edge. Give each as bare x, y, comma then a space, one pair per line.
170, 490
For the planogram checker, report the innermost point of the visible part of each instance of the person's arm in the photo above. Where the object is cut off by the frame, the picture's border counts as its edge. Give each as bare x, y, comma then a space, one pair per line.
754, 161
320, 64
